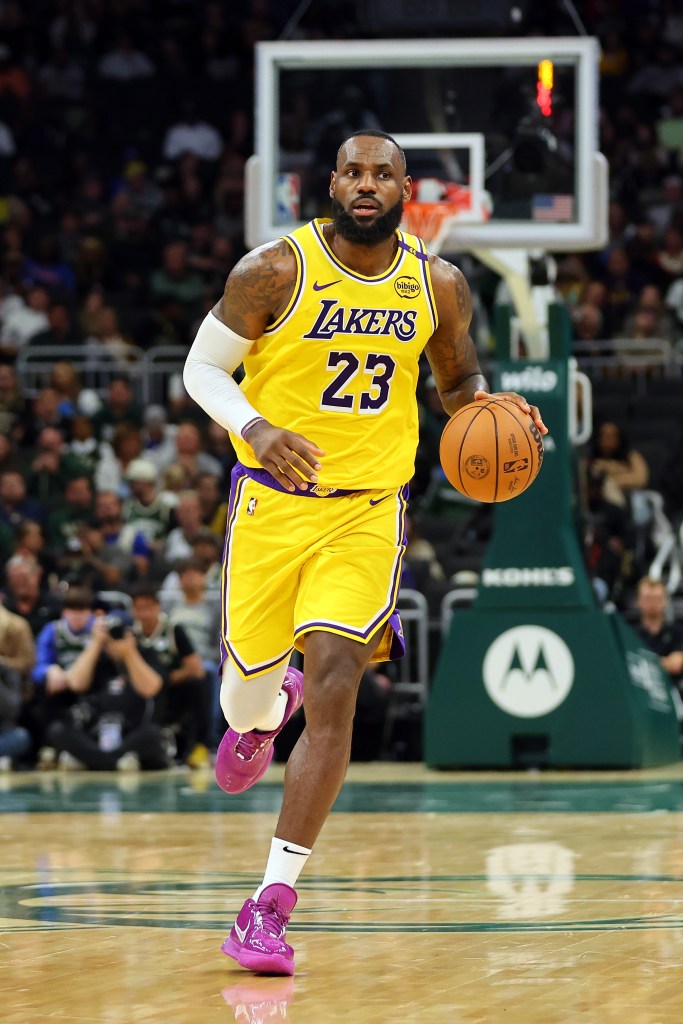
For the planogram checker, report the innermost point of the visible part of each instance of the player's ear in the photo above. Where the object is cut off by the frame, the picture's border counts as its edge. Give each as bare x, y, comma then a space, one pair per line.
407, 188
333, 184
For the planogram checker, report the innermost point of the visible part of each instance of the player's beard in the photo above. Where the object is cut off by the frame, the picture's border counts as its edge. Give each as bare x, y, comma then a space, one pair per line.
360, 233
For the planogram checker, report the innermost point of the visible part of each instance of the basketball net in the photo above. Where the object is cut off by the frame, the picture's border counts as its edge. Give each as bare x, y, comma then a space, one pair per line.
433, 208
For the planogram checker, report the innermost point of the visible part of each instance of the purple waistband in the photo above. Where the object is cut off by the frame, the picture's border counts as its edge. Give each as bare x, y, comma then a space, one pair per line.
262, 476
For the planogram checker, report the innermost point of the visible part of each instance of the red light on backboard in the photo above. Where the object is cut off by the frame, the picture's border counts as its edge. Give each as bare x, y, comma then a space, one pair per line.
544, 87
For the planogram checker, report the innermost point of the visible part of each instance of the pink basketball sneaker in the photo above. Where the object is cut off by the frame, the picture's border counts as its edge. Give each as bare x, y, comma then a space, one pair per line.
257, 938
242, 758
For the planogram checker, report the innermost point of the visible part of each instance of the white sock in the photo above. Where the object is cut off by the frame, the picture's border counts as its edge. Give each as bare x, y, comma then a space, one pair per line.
285, 863
275, 716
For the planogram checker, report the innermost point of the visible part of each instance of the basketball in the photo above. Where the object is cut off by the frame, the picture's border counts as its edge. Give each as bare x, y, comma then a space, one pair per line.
491, 450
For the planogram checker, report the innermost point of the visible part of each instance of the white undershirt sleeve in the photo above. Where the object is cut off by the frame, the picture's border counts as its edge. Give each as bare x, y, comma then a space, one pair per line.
215, 355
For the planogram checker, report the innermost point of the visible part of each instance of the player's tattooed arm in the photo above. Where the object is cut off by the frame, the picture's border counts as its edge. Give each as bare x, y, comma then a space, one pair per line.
258, 289
450, 351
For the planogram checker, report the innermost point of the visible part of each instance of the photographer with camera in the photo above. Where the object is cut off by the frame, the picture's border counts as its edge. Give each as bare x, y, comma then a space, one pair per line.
110, 725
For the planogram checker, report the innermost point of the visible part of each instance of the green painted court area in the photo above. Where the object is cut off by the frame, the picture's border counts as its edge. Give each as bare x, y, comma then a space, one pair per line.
630, 793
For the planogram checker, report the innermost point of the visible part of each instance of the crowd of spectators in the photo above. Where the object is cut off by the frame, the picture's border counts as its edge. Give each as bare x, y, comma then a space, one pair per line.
124, 131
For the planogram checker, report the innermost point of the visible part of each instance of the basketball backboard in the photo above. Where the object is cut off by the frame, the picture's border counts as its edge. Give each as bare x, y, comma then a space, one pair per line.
512, 120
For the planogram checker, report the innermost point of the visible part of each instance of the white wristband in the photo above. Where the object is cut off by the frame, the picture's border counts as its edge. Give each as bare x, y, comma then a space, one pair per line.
215, 355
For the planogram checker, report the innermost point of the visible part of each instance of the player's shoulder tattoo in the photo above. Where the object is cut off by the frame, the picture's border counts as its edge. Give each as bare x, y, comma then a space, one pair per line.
450, 282
260, 284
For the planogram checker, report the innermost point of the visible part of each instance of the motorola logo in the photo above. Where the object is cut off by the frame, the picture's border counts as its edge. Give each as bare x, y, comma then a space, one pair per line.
528, 671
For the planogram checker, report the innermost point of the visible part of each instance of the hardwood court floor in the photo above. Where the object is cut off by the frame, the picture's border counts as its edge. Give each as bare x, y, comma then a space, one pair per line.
434, 897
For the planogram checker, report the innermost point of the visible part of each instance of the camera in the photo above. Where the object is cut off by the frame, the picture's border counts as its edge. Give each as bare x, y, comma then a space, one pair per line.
115, 627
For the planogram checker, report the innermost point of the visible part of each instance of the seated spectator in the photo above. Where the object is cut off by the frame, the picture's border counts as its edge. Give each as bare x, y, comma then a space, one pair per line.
624, 468
188, 514
187, 690
191, 135
659, 213
144, 195
214, 510
670, 256
623, 284
124, 63
29, 541
111, 726
59, 333
47, 270
198, 611
588, 322
147, 511
15, 740
24, 596
84, 446
13, 404
120, 552
180, 405
22, 320
116, 458
68, 516
607, 538
158, 438
45, 412
17, 647
657, 321
65, 381
174, 479
206, 552
15, 506
107, 343
9, 456
176, 290
119, 406
62, 77
190, 453
658, 631
52, 467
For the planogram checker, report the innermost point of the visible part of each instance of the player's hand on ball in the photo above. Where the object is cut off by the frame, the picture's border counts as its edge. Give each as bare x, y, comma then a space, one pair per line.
512, 396
291, 458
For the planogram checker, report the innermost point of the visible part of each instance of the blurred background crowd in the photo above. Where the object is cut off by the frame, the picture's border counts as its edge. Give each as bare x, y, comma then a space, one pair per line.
124, 131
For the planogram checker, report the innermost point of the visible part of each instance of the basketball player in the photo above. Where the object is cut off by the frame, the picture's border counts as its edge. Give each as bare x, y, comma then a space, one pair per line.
330, 323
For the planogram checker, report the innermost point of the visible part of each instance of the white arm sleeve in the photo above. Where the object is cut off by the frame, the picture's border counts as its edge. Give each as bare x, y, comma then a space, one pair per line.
215, 355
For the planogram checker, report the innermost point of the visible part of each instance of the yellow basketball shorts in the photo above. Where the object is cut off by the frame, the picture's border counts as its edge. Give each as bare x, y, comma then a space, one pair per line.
295, 563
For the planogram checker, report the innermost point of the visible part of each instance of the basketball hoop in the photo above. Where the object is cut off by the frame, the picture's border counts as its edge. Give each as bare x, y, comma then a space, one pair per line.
433, 208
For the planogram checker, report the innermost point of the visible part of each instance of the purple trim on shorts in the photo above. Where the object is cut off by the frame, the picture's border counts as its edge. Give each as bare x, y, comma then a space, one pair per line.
262, 476
237, 477
245, 670
398, 643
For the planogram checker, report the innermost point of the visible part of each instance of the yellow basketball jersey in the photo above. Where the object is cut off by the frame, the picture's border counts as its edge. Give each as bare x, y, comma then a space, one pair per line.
340, 365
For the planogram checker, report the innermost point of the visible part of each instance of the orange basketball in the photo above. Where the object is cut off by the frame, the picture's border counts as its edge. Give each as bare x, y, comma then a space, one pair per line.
491, 450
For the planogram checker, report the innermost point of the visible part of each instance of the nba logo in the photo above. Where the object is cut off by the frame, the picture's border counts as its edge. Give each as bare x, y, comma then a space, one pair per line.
251, 506
287, 198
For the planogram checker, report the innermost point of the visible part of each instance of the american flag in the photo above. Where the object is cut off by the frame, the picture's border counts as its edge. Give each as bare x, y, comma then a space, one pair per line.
552, 207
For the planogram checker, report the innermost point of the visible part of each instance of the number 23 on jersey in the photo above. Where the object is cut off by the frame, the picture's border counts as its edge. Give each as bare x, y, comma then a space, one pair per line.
377, 371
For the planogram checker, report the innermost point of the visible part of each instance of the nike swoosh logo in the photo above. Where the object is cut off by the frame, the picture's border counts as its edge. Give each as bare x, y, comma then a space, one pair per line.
320, 287
376, 501
241, 933
286, 849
